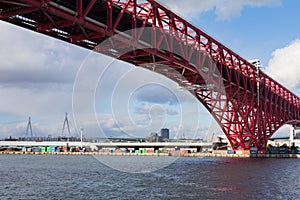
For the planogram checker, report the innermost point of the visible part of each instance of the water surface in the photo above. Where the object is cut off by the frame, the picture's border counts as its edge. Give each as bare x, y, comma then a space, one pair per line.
84, 177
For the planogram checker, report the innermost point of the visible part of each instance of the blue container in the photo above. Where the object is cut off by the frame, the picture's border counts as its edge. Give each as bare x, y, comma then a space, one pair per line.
230, 152
274, 151
36, 149
283, 150
52, 149
253, 150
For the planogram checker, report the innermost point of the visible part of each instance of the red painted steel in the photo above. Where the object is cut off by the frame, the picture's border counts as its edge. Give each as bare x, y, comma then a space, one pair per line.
248, 105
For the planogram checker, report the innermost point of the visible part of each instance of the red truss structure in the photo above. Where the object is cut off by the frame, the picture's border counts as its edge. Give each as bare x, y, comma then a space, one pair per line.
248, 105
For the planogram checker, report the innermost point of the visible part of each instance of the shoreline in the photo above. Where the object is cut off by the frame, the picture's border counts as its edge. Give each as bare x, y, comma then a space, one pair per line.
217, 154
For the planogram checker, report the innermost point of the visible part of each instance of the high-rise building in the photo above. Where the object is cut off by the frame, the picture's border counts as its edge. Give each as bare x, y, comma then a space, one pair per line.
165, 133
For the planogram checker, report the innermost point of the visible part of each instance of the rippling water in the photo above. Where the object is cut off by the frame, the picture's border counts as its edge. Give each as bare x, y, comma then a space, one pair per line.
84, 177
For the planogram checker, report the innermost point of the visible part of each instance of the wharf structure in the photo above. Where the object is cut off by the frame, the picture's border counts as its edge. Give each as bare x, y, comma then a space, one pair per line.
127, 148
154, 143
110, 146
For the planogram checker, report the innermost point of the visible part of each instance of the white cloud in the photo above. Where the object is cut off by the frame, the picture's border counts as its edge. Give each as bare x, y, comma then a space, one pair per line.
284, 66
28, 57
36, 77
24, 101
224, 9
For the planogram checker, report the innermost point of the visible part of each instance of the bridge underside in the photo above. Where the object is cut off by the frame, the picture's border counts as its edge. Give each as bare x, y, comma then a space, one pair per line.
248, 105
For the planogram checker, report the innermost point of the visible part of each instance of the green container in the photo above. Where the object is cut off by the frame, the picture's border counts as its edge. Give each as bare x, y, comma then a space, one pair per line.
137, 151
43, 149
156, 151
48, 149
144, 151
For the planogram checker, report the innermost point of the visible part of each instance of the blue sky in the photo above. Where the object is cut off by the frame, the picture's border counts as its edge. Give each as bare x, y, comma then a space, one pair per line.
258, 31
38, 74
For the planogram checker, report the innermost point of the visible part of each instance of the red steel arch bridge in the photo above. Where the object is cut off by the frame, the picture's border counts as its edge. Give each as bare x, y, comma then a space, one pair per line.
248, 105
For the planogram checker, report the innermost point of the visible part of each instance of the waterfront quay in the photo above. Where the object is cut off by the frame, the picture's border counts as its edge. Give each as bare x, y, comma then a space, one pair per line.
224, 154
180, 149
105, 147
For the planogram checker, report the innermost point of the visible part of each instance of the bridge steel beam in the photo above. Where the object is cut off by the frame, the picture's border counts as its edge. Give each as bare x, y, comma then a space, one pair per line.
248, 105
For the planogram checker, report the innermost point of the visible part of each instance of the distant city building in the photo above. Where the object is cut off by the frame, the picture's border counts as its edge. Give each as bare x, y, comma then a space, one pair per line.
165, 133
154, 137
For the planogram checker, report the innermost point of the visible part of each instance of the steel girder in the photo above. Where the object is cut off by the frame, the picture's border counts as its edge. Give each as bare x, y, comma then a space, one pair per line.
248, 105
